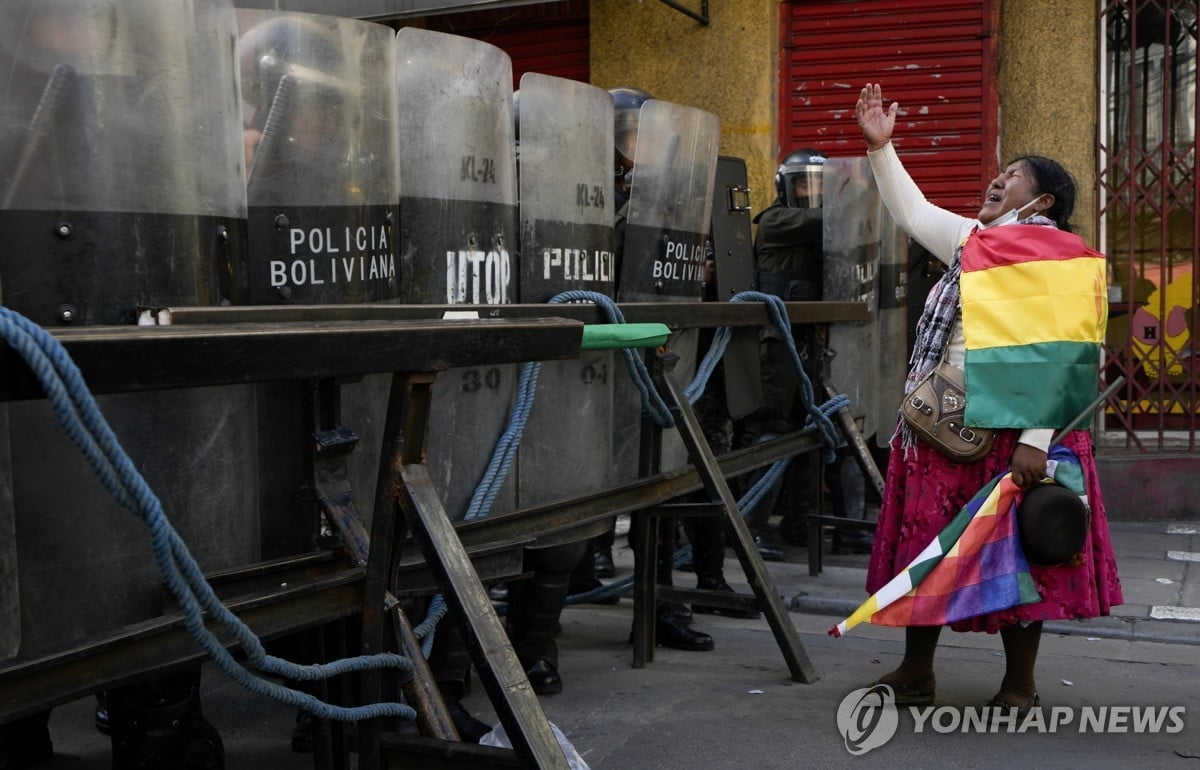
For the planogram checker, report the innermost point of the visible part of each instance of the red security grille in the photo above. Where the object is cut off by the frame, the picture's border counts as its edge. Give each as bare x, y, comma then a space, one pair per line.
1148, 218
550, 38
936, 58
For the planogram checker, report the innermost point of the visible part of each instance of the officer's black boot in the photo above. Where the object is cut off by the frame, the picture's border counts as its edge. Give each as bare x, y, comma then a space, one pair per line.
584, 577
158, 724
708, 554
450, 664
671, 629
534, 607
672, 620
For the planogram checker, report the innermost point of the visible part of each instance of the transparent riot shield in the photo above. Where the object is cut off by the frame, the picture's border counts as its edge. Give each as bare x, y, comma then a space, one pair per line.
458, 231
666, 244
122, 173
893, 325
322, 186
112, 154
566, 193
458, 196
670, 204
851, 234
321, 180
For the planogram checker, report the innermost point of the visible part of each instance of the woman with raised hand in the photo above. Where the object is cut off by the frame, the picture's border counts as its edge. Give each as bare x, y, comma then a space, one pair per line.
1032, 198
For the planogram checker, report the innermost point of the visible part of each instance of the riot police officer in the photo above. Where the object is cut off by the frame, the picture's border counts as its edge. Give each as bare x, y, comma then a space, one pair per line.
788, 263
672, 620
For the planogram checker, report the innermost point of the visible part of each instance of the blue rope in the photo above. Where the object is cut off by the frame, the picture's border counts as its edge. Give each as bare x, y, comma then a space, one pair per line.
506, 447
80, 417
427, 628
504, 453
818, 416
708, 364
651, 400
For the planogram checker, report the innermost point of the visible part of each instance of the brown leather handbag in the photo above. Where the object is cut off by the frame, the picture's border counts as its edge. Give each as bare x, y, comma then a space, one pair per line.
934, 411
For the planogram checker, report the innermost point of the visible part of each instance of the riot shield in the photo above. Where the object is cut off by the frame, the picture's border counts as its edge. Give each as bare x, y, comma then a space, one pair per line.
566, 130
733, 255
321, 180
670, 203
458, 232
122, 171
893, 325
458, 191
109, 154
566, 193
666, 246
851, 238
322, 187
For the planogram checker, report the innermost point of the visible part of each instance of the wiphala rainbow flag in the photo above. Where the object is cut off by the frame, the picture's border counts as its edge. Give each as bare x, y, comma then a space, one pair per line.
1034, 308
974, 566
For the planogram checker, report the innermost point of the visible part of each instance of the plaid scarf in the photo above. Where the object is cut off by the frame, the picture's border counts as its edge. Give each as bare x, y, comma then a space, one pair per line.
936, 323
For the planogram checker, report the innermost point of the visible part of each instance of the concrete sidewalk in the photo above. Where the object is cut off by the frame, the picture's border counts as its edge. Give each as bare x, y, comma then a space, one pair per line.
1158, 562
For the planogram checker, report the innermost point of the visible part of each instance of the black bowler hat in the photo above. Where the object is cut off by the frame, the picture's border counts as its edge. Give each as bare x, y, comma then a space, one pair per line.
1053, 523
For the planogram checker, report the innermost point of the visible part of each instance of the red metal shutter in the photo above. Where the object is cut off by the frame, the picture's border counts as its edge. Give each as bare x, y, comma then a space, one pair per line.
550, 38
935, 57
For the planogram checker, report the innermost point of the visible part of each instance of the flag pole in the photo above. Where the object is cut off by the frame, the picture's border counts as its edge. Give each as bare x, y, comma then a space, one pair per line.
1090, 408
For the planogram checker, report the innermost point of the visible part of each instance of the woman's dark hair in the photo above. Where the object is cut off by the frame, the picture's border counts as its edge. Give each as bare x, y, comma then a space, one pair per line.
1051, 178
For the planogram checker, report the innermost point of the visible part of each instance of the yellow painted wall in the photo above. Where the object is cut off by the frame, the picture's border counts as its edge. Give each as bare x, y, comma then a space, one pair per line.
727, 67
1048, 91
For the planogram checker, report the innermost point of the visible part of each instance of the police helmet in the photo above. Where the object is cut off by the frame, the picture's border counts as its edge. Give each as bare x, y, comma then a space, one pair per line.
302, 47
798, 179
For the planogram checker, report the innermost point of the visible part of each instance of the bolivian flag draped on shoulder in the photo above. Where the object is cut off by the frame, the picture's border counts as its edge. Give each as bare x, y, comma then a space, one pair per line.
1034, 308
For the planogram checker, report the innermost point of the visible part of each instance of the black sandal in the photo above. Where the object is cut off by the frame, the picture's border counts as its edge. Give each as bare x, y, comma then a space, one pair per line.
912, 693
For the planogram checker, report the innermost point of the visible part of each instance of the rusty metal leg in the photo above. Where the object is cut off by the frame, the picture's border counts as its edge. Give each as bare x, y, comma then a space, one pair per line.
502, 674
743, 544
814, 547
499, 669
387, 530
376, 553
862, 454
644, 535
329, 744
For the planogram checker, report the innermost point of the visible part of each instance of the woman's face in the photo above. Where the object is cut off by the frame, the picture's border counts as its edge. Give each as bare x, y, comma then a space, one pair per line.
1012, 189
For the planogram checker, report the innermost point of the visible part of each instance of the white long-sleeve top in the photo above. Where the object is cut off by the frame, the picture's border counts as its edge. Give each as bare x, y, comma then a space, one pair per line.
938, 230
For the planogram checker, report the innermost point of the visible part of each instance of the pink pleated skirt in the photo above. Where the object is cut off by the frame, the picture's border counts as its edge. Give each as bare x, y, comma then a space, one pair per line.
925, 490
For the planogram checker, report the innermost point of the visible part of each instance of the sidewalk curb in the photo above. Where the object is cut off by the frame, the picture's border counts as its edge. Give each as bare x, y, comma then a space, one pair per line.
1162, 631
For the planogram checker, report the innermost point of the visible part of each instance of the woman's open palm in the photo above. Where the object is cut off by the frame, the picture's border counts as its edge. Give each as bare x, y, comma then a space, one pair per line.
875, 122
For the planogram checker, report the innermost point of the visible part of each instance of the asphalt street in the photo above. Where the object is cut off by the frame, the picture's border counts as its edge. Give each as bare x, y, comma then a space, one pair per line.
735, 707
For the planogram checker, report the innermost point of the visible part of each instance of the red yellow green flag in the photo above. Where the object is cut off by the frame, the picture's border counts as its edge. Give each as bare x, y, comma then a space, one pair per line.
1034, 306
